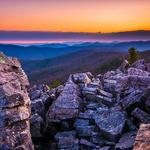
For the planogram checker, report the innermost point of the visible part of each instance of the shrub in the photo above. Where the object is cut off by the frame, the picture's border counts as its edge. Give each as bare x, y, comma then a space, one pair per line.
55, 84
133, 55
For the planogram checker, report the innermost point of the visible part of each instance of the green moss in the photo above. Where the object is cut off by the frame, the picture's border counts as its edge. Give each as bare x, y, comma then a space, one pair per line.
55, 84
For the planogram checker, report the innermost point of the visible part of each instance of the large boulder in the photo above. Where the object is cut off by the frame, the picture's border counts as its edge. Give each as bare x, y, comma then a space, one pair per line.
36, 123
133, 100
67, 105
82, 78
142, 141
138, 72
124, 65
68, 144
139, 64
14, 106
37, 106
67, 140
132, 81
99, 139
35, 94
111, 122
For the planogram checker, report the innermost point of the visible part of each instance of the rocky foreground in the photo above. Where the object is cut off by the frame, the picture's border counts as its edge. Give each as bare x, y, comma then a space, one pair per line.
102, 112
87, 112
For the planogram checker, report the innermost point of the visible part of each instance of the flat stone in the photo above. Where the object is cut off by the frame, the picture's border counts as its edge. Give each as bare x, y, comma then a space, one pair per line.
111, 81
132, 100
65, 134
87, 143
86, 115
142, 116
95, 83
105, 148
93, 105
126, 141
68, 143
89, 90
111, 122
105, 100
104, 93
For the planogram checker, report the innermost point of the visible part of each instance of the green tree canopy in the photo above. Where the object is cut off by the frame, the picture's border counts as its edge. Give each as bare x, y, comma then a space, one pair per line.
133, 55
55, 84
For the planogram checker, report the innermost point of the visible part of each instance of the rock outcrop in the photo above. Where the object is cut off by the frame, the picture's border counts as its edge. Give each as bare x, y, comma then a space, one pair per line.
67, 105
14, 106
111, 122
89, 112
142, 141
102, 112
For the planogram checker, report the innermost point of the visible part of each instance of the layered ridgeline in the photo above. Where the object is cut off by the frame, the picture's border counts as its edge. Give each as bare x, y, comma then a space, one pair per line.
101, 112
48, 71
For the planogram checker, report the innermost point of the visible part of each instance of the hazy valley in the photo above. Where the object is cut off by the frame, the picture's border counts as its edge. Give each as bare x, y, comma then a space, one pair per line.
48, 63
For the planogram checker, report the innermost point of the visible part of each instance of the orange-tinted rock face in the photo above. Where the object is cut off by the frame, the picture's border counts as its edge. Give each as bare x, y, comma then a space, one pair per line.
143, 138
14, 106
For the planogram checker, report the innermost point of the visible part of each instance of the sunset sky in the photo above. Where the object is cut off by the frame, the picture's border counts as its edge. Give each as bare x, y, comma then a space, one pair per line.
75, 15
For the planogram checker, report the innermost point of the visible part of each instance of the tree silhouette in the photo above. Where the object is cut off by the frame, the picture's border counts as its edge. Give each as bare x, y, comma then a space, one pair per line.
133, 55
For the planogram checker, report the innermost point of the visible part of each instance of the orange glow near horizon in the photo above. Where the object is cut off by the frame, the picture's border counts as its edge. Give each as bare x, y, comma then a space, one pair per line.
75, 15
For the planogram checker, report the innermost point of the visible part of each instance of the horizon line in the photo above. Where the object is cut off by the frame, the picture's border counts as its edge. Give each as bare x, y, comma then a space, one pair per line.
140, 30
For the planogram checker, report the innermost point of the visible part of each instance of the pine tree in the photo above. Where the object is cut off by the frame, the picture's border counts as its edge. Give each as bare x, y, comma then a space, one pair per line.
133, 55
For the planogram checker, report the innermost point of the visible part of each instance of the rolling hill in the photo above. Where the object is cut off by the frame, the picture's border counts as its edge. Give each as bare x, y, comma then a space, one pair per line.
49, 70
52, 50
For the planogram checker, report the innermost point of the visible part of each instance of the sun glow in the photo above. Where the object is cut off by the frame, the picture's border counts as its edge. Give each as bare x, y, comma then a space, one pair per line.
75, 15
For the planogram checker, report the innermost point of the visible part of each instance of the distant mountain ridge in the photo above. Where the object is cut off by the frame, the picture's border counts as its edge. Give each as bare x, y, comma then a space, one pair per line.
52, 50
74, 36
59, 68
